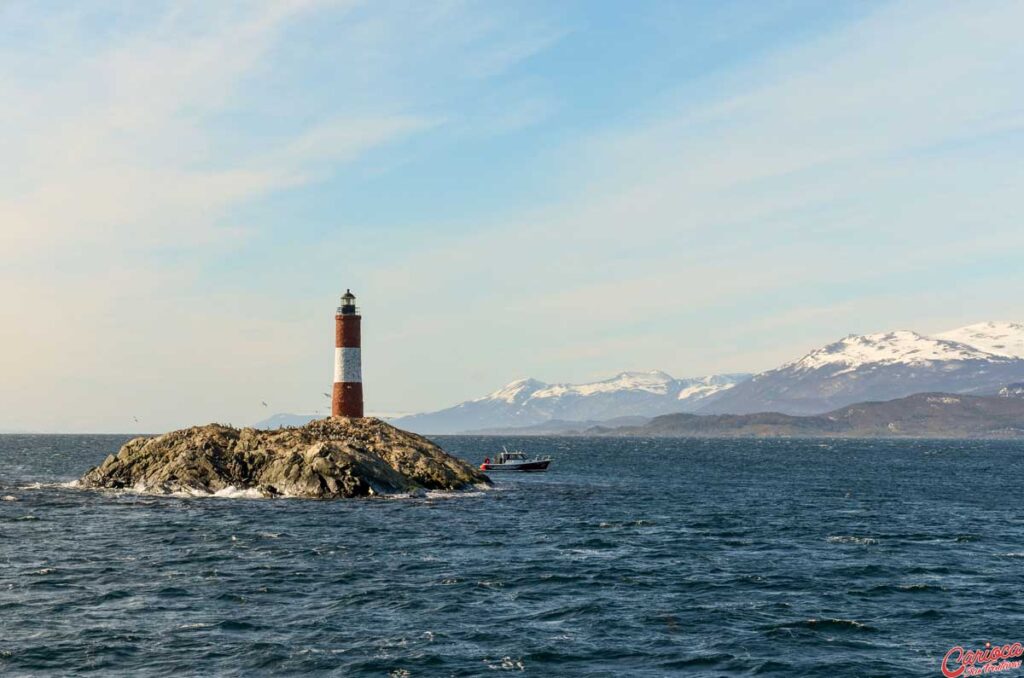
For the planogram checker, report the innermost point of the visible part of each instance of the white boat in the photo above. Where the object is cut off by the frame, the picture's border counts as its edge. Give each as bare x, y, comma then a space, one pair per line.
515, 461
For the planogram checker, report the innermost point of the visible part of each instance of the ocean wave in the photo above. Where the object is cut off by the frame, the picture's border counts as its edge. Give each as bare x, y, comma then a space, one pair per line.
252, 493
828, 624
700, 660
477, 491
625, 523
851, 539
918, 587
232, 492
921, 587
928, 614
143, 490
561, 577
454, 494
506, 664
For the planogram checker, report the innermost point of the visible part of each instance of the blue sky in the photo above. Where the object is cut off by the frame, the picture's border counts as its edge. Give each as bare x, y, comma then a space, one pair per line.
556, 190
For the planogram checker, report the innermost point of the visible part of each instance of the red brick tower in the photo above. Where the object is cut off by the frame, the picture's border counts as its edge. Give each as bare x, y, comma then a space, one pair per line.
347, 400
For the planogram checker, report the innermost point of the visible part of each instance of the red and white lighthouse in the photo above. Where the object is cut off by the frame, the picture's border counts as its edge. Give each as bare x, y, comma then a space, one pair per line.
347, 399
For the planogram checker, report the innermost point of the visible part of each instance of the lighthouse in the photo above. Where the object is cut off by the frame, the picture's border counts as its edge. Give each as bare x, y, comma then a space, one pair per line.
347, 399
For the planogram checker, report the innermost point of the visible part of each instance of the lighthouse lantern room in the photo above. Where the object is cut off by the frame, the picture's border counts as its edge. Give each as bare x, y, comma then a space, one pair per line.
348, 304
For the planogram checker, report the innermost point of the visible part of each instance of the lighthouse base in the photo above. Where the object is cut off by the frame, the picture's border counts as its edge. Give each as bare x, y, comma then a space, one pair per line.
347, 400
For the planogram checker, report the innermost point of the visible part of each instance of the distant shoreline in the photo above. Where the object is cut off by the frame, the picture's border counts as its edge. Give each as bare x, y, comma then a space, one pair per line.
924, 416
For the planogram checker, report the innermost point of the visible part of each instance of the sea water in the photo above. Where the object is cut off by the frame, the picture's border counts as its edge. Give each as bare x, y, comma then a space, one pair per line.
630, 557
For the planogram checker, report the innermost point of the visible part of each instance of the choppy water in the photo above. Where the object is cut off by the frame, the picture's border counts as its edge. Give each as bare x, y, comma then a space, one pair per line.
631, 557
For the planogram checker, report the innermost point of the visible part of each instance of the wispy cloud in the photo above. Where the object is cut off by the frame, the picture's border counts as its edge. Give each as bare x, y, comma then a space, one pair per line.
830, 185
115, 145
127, 156
844, 163
344, 139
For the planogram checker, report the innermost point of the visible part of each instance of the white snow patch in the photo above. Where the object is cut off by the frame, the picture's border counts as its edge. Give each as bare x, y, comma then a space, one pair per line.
887, 348
1004, 339
511, 392
655, 381
702, 387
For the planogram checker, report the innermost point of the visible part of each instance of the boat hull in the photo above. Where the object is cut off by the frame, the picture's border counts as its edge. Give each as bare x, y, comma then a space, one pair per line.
538, 465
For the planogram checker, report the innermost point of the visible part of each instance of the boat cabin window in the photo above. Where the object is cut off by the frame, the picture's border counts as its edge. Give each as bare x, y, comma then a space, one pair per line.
509, 456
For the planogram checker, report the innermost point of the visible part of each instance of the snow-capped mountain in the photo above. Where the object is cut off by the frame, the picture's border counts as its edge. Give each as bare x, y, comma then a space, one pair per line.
977, 359
901, 347
526, 402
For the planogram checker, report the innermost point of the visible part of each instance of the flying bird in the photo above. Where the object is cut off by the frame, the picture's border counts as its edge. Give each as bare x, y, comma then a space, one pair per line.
264, 403
327, 395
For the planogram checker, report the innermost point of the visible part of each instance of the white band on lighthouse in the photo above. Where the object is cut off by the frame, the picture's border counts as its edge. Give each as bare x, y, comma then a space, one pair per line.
347, 369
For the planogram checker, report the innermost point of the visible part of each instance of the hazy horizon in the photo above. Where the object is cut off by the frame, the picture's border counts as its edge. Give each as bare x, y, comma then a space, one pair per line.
533, 190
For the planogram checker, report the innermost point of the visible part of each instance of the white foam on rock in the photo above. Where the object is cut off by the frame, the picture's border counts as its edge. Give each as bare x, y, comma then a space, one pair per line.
229, 492
232, 492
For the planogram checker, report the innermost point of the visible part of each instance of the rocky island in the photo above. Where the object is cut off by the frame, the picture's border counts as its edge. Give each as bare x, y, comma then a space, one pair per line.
325, 459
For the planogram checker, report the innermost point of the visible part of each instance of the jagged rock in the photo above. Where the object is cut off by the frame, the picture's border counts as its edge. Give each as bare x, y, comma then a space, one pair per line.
328, 458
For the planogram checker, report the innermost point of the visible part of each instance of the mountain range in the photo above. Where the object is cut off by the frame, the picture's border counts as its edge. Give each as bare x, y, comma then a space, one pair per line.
924, 415
529, 402
977, 359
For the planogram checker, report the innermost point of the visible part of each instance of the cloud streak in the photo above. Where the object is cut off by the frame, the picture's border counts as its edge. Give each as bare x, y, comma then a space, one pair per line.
848, 164
127, 160
187, 189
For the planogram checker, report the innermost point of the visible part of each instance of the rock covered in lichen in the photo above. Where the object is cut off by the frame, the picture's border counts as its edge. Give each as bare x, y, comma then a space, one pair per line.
327, 458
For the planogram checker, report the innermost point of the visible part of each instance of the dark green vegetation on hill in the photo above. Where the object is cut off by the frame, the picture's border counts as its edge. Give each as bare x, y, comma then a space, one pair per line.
925, 415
